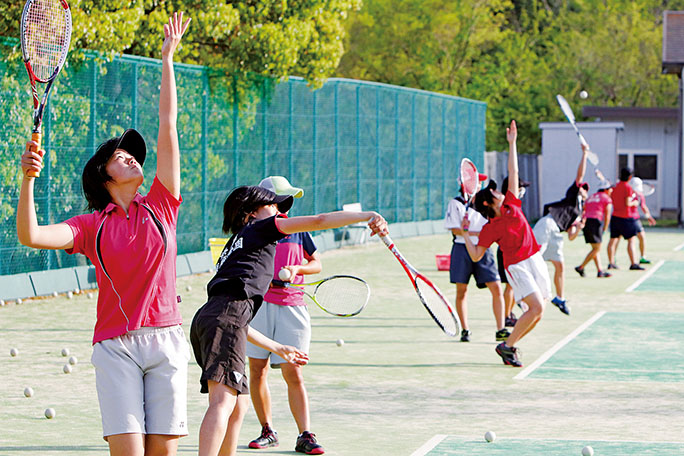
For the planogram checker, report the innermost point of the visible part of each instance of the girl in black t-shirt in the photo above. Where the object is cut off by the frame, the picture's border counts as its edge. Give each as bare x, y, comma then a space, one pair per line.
220, 328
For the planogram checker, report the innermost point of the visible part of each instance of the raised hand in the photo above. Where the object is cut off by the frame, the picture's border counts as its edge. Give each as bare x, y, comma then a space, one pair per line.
173, 32
512, 132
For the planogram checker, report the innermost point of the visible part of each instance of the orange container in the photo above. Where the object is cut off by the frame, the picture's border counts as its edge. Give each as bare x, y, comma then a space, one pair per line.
443, 262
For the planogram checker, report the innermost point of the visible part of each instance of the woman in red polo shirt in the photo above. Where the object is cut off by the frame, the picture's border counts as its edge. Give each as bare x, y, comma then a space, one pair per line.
524, 265
140, 352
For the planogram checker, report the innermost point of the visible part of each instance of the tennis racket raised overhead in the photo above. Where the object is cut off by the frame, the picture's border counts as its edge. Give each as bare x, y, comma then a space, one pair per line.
567, 110
469, 180
45, 38
433, 299
338, 295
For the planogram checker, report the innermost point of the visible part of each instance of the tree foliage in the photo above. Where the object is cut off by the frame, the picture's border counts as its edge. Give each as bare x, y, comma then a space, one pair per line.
516, 55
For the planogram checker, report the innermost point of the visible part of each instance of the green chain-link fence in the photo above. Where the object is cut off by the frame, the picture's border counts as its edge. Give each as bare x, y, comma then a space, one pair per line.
392, 149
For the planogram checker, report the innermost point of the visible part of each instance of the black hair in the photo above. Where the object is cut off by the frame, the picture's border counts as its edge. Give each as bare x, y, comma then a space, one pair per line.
95, 176
485, 196
626, 174
240, 203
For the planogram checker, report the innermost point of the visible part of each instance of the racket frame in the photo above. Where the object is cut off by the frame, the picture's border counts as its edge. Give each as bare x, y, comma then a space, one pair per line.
39, 103
567, 111
318, 283
468, 193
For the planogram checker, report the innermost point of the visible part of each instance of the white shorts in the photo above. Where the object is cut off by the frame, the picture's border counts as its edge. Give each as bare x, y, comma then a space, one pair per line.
141, 379
529, 276
549, 238
288, 325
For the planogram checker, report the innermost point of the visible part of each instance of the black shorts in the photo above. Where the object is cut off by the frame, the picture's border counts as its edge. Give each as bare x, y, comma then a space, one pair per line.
500, 265
218, 335
593, 231
462, 267
625, 227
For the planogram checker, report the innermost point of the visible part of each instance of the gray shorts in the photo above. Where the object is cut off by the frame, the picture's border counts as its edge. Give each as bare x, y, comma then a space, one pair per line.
288, 325
141, 380
549, 238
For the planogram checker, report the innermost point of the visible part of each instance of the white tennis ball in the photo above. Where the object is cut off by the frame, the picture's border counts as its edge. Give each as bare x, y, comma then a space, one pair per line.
583, 94
65, 352
28, 391
19, 301
77, 291
587, 451
339, 342
188, 288
284, 274
55, 294
70, 294
13, 352
2, 302
50, 413
67, 368
490, 436
90, 296
73, 360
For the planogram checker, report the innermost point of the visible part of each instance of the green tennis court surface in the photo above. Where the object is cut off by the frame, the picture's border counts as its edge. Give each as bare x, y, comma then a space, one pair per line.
622, 347
667, 278
451, 445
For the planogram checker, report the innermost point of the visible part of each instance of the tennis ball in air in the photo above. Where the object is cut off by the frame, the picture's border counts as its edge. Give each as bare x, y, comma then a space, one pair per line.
28, 391
67, 368
490, 436
50, 413
339, 342
13, 352
73, 360
284, 274
587, 451
70, 294
583, 94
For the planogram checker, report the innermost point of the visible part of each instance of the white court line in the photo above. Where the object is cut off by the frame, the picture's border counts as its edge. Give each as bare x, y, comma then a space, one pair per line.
429, 445
679, 247
543, 358
650, 272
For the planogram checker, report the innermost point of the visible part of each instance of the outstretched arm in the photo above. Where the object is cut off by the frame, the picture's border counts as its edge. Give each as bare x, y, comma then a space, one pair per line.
512, 136
329, 220
582, 168
168, 153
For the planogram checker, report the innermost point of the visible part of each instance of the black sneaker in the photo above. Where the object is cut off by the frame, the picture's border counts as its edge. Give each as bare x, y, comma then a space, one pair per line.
603, 274
502, 334
636, 267
580, 271
306, 443
511, 320
509, 355
561, 304
267, 439
612, 266
465, 335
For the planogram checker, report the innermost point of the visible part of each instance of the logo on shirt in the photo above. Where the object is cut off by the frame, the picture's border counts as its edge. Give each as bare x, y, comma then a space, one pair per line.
145, 219
237, 244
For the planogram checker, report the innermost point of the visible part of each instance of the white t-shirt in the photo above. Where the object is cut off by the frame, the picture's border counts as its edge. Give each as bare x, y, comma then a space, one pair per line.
454, 216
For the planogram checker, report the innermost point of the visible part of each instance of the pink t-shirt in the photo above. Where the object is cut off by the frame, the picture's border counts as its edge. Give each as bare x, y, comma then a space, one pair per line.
135, 262
621, 192
595, 206
291, 250
634, 210
511, 231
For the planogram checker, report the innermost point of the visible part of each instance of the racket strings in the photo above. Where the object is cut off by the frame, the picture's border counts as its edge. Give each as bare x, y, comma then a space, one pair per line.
46, 36
469, 177
342, 295
439, 309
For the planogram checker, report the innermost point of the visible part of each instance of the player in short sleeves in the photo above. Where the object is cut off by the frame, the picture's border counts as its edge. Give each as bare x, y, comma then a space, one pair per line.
622, 223
597, 212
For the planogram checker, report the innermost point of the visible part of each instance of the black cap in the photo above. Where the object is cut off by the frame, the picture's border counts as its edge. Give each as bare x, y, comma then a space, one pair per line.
130, 140
284, 202
521, 183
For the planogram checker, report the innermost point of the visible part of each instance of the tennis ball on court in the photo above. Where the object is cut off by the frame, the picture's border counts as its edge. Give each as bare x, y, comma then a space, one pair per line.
583, 94
13, 352
73, 360
67, 368
65, 352
2, 302
339, 342
19, 301
284, 274
90, 296
55, 294
50, 413
587, 451
188, 288
70, 294
28, 391
490, 436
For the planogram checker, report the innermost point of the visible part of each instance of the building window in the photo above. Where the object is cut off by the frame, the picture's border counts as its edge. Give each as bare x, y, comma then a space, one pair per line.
622, 161
646, 166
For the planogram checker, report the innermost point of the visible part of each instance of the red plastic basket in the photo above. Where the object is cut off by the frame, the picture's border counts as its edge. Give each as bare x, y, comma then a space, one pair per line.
443, 262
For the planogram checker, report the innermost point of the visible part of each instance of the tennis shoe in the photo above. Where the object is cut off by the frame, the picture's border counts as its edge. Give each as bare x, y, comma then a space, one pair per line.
511, 320
580, 271
465, 335
502, 334
267, 439
509, 355
562, 305
612, 266
644, 261
306, 443
603, 274
636, 267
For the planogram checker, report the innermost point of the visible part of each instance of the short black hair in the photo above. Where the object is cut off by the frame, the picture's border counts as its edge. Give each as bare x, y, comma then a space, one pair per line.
626, 174
95, 177
485, 195
241, 202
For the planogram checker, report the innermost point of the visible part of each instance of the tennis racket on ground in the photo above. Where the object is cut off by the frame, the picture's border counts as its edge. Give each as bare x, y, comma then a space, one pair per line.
433, 299
338, 295
565, 107
469, 180
45, 37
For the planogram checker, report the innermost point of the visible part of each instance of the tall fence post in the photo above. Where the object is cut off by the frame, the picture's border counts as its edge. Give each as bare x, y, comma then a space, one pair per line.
444, 161
378, 175
47, 146
429, 158
290, 143
205, 158
264, 128
397, 185
413, 157
236, 115
358, 146
314, 184
336, 115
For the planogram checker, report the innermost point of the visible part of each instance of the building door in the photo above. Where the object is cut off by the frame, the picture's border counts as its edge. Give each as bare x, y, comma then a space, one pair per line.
646, 165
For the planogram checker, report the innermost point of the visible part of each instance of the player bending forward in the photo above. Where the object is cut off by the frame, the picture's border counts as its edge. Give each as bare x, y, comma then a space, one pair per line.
525, 267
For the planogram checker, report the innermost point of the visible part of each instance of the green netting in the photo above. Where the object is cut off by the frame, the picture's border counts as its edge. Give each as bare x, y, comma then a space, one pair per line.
395, 150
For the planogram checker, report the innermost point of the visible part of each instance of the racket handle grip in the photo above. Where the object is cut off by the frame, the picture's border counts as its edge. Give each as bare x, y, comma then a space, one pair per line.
387, 240
36, 136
